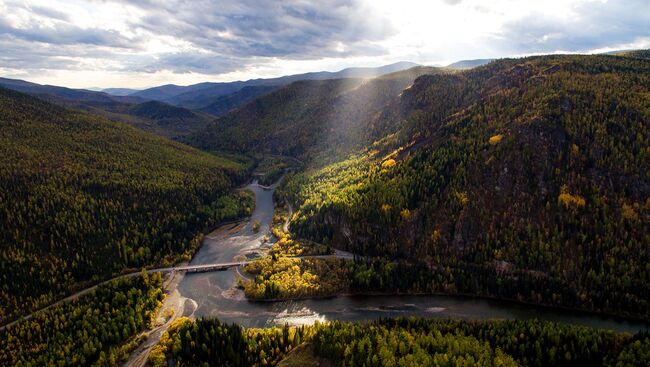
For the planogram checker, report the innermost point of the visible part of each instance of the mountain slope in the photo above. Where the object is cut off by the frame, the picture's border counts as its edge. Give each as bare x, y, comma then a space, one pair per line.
642, 54
82, 198
309, 117
226, 103
524, 179
468, 64
117, 108
167, 91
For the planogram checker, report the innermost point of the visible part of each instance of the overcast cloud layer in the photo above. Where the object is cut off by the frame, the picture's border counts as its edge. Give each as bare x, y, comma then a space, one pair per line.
136, 44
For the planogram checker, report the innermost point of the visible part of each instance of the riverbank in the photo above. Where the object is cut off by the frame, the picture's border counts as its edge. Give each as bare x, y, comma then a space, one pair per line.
216, 294
468, 296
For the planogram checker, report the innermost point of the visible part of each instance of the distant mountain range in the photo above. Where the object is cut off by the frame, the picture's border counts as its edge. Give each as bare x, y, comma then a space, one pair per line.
203, 95
179, 110
157, 117
65, 93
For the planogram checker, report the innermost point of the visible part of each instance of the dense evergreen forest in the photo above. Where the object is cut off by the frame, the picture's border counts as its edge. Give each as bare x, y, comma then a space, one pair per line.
208, 342
524, 179
94, 330
402, 342
82, 198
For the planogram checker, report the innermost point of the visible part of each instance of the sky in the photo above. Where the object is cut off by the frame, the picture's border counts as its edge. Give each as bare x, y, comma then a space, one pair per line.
139, 44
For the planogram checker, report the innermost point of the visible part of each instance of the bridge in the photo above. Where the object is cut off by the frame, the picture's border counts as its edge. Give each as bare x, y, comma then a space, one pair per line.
200, 268
187, 269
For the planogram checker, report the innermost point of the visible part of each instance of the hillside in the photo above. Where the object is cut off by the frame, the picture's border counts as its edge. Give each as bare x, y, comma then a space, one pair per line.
226, 103
310, 117
153, 116
641, 54
524, 179
82, 198
468, 64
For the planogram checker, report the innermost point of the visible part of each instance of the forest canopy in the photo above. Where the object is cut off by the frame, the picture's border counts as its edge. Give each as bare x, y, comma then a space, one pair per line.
82, 198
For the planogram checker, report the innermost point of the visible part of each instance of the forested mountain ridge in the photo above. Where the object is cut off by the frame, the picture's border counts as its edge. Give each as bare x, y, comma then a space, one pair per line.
153, 116
524, 179
82, 198
310, 117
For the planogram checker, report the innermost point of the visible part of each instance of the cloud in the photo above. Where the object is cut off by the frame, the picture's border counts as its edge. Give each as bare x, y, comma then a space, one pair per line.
589, 26
44, 24
144, 41
66, 34
254, 28
200, 36
186, 62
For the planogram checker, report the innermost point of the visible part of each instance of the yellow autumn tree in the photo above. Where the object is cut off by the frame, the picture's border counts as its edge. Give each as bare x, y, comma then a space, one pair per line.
495, 139
568, 200
388, 164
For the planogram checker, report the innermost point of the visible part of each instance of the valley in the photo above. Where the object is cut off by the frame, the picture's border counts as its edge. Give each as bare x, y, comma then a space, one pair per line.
492, 214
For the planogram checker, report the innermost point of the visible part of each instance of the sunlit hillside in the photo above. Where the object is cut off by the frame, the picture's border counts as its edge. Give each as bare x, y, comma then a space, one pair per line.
524, 179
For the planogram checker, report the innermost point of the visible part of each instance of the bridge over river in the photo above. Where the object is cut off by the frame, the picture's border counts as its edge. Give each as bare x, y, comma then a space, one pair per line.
199, 268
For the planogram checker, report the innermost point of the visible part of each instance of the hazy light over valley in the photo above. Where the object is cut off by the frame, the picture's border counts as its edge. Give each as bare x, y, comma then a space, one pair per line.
140, 44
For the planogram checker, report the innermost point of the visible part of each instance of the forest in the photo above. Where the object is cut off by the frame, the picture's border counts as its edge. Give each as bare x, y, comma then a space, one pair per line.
83, 198
97, 329
208, 342
524, 179
401, 342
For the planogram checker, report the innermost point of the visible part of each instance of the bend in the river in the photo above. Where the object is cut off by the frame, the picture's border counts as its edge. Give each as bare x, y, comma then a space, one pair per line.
214, 294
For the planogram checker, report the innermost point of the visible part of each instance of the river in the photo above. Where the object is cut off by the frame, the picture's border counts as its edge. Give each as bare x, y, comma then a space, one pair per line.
214, 294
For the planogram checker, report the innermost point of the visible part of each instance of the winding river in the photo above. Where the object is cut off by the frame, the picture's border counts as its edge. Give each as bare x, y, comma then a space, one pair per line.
214, 294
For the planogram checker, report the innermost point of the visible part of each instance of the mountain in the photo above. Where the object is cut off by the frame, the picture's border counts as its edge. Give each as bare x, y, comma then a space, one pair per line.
120, 91
200, 96
159, 110
468, 64
223, 104
82, 197
524, 179
309, 117
168, 120
642, 54
168, 91
54, 92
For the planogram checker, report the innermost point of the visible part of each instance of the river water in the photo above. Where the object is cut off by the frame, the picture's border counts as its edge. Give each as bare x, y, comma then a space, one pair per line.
214, 293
